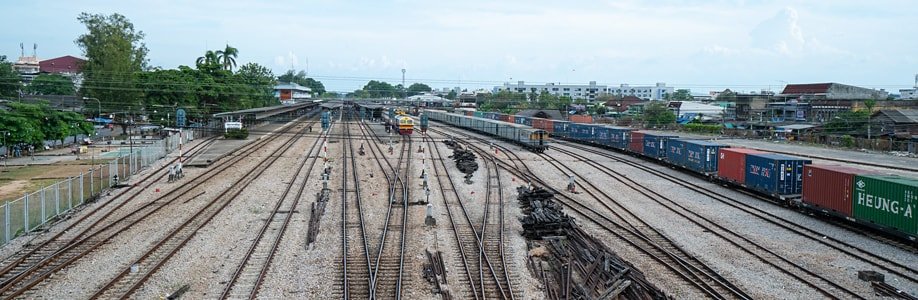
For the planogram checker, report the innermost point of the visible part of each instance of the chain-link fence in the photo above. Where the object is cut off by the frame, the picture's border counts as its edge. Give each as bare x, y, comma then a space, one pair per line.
33, 210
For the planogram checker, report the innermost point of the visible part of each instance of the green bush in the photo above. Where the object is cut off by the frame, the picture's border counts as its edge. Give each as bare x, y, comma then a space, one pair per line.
236, 134
847, 141
702, 128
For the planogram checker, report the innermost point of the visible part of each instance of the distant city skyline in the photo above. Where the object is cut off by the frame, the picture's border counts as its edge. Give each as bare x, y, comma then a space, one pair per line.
746, 45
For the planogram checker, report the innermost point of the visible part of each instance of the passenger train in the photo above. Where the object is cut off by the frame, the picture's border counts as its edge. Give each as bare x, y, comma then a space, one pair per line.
533, 139
397, 120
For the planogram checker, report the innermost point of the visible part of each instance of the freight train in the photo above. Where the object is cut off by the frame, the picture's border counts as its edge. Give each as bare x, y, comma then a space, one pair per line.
885, 202
533, 139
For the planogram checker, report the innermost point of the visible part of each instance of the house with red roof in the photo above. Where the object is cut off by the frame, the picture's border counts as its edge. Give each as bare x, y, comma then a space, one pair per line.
831, 91
67, 65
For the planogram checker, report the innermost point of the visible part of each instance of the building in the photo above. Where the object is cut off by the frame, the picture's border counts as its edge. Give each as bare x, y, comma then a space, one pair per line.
902, 122
27, 67
909, 94
291, 93
620, 105
830, 91
68, 66
589, 91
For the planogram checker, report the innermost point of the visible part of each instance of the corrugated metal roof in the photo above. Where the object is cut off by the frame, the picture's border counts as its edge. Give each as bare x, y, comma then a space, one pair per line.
901, 116
810, 88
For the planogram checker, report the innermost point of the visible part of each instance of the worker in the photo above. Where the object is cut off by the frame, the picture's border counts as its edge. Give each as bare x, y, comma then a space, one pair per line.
178, 172
171, 173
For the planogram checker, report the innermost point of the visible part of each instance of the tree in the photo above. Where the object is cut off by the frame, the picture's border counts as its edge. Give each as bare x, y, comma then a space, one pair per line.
260, 82
377, 89
726, 95
51, 84
655, 113
451, 95
210, 62
228, 57
418, 88
114, 51
10, 83
847, 122
681, 95
300, 78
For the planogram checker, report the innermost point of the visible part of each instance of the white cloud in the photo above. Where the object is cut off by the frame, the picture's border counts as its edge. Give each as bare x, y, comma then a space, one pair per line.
781, 33
288, 61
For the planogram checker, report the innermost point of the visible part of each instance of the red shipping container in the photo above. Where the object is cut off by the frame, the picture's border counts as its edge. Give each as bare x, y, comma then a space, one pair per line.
503, 117
636, 144
581, 119
830, 187
510, 119
469, 113
731, 163
544, 124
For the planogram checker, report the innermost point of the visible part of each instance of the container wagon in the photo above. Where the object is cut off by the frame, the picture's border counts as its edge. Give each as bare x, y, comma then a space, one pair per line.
775, 174
829, 189
696, 155
731, 164
544, 124
655, 145
562, 128
636, 142
887, 202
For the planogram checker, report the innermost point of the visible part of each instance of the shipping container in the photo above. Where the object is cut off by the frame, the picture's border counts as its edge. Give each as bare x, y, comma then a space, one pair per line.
830, 188
561, 128
775, 174
519, 120
478, 114
619, 137
503, 117
581, 119
887, 201
731, 163
544, 124
470, 113
655, 144
512, 119
636, 143
601, 134
696, 155
583, 132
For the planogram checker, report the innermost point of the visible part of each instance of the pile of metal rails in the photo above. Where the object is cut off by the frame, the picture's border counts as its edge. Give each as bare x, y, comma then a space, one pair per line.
571, 263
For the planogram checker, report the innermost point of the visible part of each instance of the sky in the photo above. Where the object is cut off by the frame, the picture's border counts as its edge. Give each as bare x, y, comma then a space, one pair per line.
745, 45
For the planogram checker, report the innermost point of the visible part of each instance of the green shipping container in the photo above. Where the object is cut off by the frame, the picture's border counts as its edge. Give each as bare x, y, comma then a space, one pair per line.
887, 201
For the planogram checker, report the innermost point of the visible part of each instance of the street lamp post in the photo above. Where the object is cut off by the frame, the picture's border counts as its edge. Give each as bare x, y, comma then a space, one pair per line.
99, 103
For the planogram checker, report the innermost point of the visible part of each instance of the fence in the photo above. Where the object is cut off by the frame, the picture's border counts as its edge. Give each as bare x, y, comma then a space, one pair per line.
33, 210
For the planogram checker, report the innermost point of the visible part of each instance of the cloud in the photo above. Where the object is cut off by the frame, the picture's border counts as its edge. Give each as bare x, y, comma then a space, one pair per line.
290, 60
781, 33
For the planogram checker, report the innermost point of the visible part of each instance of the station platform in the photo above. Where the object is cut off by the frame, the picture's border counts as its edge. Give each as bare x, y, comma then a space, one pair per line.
223, 147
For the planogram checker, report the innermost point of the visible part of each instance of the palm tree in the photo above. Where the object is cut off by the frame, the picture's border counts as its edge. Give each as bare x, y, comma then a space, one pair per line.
209, 58
228, 56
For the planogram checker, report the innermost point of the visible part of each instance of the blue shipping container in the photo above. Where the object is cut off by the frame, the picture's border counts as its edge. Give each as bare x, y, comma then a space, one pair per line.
655, 144
561, 128
582, 132
601, 134
775, 174
619, 137
696, 155
519, 120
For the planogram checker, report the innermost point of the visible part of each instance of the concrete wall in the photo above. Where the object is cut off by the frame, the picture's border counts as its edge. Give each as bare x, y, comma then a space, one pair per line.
841, 91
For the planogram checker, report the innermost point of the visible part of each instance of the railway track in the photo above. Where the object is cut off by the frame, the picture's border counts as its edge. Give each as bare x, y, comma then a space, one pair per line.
356, 267
388, 269
250, 273
33, 253
482, 279
793, 269
140, 270
857, 252
39, 261
650, 242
